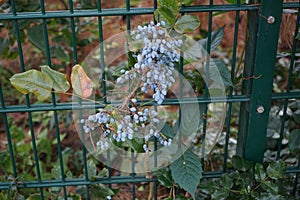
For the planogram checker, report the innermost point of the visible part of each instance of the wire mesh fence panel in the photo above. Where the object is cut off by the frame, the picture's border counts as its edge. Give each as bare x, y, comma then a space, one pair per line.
234, 103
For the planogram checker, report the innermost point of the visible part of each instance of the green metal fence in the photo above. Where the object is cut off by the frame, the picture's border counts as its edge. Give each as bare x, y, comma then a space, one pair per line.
254, 102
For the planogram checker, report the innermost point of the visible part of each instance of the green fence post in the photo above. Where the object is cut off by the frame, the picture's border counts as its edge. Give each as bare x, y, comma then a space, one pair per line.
269, 18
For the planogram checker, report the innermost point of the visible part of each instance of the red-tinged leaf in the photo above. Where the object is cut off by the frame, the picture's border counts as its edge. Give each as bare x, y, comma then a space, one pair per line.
81, 83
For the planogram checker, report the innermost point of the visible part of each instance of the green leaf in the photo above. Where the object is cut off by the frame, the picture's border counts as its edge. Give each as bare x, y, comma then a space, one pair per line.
241, 164
220, 194
227, 182
60, 82
56, 172
35, 196
171, 4
276, 170
33, 81
294, 139
186, 2
235, 1
136, 144
187, 172
216, 39
218, 68
270, 187
36, 37
164, 177
166, 130
91, 168
189, 122
60, 53
186, 23
166, 15
260, 173
100, 191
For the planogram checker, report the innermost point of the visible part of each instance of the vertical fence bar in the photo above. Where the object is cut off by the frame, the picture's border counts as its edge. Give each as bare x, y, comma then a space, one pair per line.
22, 64
265, 57
251, 36
75, 57
229, 109
7, 131
206, 93
57, 131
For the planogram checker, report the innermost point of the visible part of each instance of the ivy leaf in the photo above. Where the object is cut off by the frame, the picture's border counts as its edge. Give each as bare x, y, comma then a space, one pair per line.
36, 38
187, 172
216, 39
276, 170
33, 81
270, 187
221, 193
294, 139
260, 173
166, 15
241, 164
186, 23
81, 83
60, 82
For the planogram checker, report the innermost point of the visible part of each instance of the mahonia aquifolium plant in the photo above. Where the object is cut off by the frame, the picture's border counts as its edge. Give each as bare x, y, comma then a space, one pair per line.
154, 69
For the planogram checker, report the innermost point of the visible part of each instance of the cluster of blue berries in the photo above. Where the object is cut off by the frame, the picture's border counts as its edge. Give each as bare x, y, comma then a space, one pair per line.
155, 59
119, 127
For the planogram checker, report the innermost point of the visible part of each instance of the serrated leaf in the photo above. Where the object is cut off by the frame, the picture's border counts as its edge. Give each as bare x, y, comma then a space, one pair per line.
36, 38
187, 172
216, 39
33, 81
276, 170
60, 82
218, 68
166, 15
294, 139
241, 164
186, 23
81, 83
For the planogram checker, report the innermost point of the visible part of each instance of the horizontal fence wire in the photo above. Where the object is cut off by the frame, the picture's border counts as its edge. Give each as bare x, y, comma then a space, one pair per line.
55, 106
